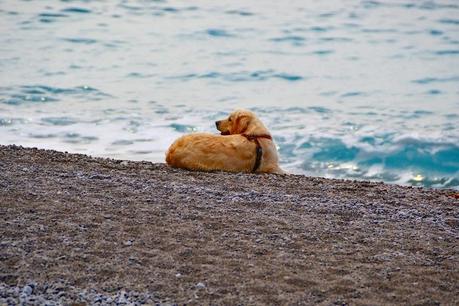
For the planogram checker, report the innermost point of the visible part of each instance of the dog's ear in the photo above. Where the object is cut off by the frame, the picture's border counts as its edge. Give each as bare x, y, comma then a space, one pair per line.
240, 125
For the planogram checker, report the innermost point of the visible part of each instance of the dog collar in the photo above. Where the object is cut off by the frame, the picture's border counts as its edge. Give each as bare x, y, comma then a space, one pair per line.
259, 149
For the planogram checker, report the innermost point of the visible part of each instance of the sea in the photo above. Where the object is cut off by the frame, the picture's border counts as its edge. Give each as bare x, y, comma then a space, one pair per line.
361, 90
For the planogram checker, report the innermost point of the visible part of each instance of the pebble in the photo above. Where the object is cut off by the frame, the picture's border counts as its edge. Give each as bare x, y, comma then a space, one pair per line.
200, 285
27, 290
98, 299
122, 298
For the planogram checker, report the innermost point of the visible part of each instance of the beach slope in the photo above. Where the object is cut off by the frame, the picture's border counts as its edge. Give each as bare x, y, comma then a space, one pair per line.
79, 229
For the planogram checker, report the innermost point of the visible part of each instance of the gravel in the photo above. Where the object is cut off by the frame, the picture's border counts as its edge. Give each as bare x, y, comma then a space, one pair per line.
81, 230
54, 294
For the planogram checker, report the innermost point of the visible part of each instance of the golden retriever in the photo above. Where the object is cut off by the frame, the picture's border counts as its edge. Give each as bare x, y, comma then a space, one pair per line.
245, 145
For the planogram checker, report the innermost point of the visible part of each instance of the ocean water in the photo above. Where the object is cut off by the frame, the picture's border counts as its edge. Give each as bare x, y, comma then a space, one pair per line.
350, 89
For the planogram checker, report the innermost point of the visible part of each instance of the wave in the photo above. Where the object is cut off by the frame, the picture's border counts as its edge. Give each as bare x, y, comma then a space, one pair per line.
403, 160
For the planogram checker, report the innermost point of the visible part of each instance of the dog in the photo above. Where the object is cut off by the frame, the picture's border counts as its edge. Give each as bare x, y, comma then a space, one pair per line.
245, 145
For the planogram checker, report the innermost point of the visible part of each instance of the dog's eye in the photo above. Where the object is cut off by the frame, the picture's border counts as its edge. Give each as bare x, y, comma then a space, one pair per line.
229, 119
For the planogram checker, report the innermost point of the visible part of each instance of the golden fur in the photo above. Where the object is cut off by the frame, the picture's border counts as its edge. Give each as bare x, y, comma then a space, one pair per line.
230, 151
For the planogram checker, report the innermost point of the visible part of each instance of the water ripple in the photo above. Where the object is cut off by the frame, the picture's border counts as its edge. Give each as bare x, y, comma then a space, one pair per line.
80, 40
295, 40
78, 10
218, 33
62, 121
352, 94
43, 93
261, 75
239, 12
430, 80
447, 52
449, 21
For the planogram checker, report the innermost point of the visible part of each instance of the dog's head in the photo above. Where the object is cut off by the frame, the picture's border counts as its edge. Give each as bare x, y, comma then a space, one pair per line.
241, 122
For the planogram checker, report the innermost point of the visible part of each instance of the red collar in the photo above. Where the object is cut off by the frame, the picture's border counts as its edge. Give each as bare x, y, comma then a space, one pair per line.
254, 137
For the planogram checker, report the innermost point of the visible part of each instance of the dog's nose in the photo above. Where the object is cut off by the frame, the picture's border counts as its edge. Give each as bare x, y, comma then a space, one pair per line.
217, 123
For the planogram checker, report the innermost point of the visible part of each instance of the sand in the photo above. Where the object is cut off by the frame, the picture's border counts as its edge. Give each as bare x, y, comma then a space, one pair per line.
77, 229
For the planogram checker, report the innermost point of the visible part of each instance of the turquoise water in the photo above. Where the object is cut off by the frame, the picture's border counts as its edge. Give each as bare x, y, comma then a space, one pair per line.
349, 89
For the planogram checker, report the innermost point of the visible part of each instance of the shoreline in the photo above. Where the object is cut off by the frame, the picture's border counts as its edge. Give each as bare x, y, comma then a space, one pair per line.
124, 231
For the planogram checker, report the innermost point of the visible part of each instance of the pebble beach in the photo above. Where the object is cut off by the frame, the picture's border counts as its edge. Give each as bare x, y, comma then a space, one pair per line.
78, 230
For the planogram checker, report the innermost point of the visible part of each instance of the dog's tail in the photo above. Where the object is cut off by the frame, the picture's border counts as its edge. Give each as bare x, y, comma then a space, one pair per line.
173, 153
170, 155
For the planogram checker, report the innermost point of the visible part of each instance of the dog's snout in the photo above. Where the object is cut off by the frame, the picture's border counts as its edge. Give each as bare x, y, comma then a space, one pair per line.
217, 123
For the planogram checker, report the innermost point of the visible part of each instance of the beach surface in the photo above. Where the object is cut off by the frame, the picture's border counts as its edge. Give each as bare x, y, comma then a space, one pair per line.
84, 230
